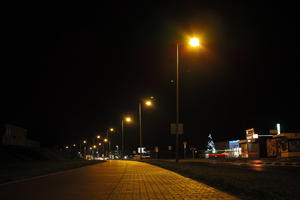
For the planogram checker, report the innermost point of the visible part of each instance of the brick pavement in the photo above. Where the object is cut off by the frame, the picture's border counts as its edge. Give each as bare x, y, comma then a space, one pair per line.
114, 180
145, 181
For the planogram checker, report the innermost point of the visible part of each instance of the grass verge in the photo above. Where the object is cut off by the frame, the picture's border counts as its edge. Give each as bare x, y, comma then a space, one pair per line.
241, 182
21, 170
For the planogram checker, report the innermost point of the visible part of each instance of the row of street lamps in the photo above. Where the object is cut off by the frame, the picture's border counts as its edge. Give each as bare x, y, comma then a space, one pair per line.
125, 120
193, 42
146, 102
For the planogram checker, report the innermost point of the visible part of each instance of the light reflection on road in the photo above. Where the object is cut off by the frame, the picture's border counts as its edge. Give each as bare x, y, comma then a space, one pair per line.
257, 167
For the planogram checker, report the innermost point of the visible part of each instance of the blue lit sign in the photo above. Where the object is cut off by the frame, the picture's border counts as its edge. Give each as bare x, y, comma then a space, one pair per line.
234, 144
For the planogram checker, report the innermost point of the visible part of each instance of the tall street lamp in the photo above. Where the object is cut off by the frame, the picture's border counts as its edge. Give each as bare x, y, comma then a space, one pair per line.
84, 147
194, 42
105, 141
126, 120
110, 130
148, 103
97, 139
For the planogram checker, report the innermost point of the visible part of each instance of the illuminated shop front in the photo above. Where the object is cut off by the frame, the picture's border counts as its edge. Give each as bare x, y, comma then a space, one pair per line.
255, 145
234, 150
274, 144
284, 145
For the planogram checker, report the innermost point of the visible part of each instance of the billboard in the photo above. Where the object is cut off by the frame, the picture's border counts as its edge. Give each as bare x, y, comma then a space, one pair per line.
250, 133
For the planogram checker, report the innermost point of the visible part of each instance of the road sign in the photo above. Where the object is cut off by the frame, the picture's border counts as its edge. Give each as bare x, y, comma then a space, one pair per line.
141, 150
184, 144
174, 129
249, 133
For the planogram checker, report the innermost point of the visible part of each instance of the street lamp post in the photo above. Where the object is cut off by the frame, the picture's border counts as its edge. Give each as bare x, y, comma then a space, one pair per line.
122, 129
148, 103
128, 120
194, 42
106, 149
177, 100
84, 148
109, 142
140, 123
98, 137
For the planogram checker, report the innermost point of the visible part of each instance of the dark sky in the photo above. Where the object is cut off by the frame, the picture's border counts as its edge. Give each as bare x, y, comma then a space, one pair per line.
71, 70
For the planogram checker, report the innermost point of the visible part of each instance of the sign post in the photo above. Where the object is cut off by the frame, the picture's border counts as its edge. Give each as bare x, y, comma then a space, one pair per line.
174, 129
177, 129
184, 148
156, 151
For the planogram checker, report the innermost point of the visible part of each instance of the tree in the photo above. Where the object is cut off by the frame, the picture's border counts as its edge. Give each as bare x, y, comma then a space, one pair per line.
211, 144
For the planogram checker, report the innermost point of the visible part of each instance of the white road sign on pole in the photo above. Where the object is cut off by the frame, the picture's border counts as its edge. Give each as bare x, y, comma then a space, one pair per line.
174, 129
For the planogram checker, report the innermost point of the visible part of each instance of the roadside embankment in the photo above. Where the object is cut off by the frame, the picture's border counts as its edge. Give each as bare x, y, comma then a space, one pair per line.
21, 162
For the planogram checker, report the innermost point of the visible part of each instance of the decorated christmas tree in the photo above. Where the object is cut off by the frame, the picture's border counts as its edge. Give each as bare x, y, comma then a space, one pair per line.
211, 144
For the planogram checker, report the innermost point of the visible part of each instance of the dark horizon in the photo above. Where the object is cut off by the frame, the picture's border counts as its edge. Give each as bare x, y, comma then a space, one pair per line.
71, 71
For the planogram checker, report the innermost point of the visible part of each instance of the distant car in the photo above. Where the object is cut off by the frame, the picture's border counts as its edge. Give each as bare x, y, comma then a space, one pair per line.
137, 157
145, 156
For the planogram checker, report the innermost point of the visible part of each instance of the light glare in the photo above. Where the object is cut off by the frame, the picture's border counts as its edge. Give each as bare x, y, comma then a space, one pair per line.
148, 103
194, 42
128, 119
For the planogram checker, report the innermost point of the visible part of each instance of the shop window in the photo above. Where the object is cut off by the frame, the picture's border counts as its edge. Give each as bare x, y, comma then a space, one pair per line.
283, 146
294, 145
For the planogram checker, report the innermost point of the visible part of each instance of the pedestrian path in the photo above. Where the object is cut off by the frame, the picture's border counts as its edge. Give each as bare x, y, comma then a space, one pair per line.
145, 181
113, 180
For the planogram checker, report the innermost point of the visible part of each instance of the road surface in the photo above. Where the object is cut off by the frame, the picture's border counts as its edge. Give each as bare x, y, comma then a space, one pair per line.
114, 179
265, 165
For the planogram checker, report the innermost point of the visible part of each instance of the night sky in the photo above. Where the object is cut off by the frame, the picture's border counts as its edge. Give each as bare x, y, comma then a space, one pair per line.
71, 70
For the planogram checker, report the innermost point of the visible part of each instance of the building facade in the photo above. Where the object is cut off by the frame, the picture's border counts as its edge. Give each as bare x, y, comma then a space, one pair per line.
16, 136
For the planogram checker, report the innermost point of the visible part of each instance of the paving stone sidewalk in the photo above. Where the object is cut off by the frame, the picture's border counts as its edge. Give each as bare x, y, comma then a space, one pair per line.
114, 180
144, 181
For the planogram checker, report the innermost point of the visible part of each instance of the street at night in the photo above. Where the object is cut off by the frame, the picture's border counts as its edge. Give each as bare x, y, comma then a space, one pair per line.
147, 100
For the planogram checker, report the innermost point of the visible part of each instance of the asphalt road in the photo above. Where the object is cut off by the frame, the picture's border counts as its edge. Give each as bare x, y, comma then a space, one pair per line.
111, 180
262, 165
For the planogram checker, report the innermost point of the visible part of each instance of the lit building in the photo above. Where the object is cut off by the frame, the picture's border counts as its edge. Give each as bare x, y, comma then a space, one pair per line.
255, 145
284, 145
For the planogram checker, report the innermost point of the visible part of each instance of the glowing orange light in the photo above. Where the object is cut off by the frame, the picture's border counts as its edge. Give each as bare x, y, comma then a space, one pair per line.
148, 103
128, 119
194, 42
